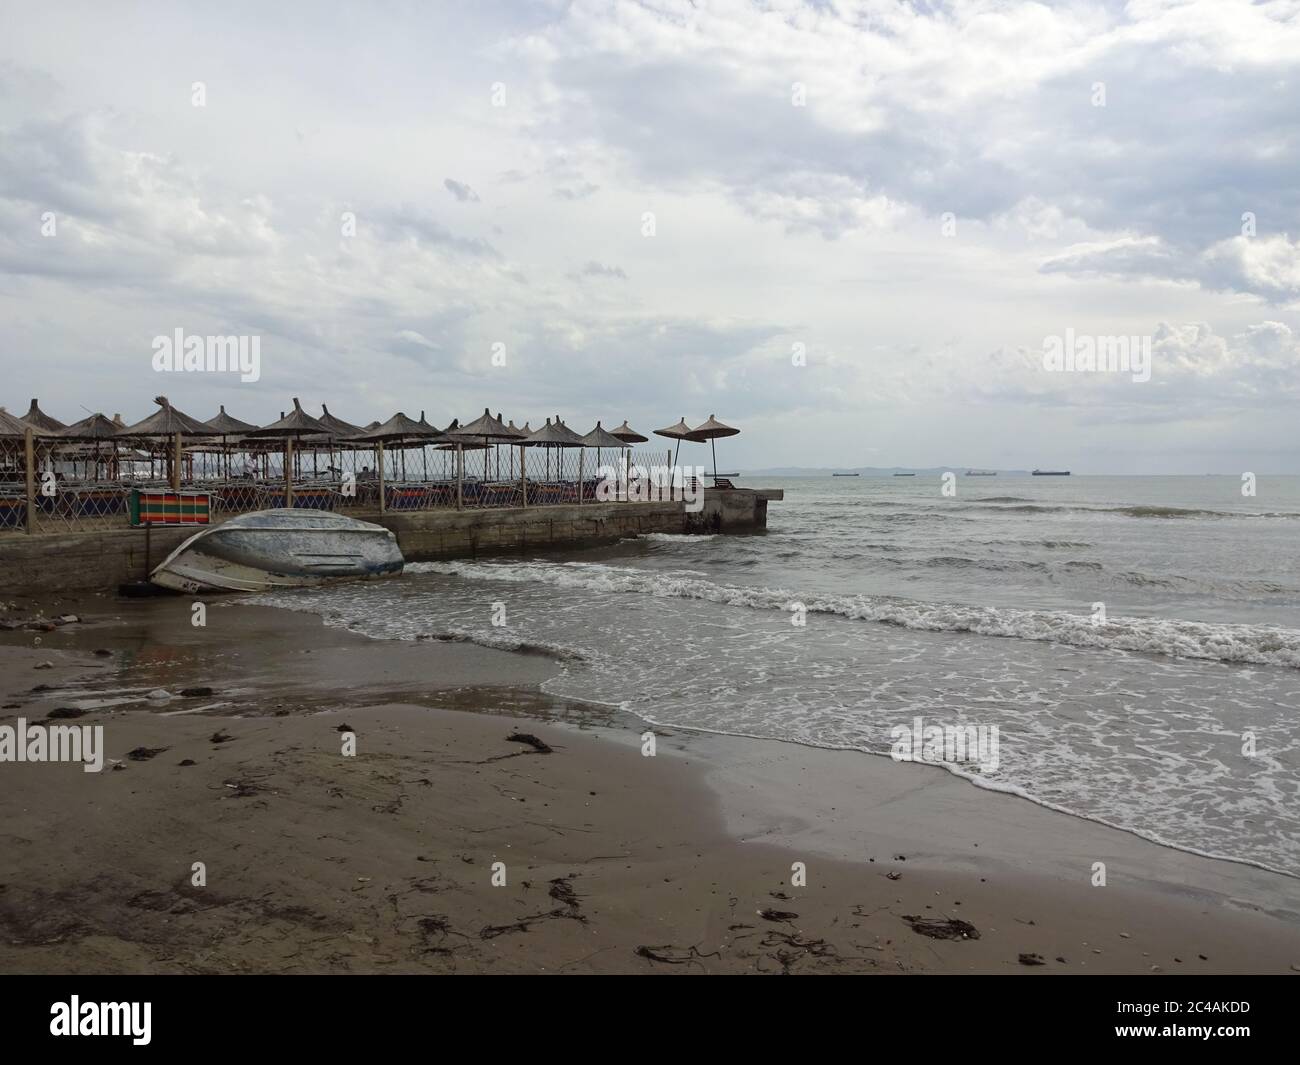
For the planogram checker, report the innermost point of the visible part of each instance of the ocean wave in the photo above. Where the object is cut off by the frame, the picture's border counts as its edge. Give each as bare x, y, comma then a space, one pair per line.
1144, 511
672, 538
1241, 644
497, 643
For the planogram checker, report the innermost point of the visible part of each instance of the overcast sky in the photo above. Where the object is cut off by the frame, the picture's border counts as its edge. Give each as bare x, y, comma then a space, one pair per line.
913, 195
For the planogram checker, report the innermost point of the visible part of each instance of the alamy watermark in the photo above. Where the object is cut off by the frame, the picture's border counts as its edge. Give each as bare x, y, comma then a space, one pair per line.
103, 1018
21, 742
208, 354
1098, 354
652, 484
953, 744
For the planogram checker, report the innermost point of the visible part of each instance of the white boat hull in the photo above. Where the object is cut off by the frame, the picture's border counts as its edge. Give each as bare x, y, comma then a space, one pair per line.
286, 548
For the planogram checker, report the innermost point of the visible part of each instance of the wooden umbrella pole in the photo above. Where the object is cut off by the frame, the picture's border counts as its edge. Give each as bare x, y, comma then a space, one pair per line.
288, 471
460, 476
29, 449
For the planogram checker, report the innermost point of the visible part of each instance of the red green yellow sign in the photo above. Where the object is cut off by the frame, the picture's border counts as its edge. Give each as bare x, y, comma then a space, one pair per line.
169, 508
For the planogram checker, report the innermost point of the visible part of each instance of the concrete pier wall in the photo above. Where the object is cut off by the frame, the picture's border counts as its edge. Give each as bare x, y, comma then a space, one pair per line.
101, 559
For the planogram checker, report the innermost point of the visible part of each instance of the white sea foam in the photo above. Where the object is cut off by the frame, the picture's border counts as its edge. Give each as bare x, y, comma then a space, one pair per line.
1252, 644
1150, 744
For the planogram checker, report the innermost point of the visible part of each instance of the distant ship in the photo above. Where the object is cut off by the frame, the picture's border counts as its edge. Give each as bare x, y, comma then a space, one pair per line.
1051, 473
981, 473
846, 475
904, 475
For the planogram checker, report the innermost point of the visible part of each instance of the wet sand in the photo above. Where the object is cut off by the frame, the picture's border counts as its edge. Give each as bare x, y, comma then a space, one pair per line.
317, 861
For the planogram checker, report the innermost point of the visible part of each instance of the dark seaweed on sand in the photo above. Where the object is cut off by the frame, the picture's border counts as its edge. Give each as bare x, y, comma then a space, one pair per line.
942, 927
540, 746
143, 754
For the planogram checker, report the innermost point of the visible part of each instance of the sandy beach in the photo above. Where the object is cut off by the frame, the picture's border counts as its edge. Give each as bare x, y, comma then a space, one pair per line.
317, 861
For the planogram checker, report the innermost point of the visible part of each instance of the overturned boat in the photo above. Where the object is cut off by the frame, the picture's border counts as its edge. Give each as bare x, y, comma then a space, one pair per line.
288, 548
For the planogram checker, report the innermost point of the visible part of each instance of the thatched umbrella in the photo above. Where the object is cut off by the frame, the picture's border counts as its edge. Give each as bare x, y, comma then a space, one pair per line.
167, 424
227, 425
12, 428
557, 435
711, 430
292, 429
401, 432
96, 428
294, 426
38, 419
679, 432
338, 426
15, 429
486, 430
230, 429
339, 432
626, 432
553, 435
599, 438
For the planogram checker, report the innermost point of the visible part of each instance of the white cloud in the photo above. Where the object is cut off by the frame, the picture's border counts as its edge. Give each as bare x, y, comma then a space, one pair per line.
777, 224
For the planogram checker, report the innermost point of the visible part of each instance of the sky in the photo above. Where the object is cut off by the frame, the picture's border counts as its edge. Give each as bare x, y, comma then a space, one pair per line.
848, 229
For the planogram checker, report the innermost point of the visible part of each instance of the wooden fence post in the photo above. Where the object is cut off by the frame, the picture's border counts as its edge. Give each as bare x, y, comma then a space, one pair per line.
29, 445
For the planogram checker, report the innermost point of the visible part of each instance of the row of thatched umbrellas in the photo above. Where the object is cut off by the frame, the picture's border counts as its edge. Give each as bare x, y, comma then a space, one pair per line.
299, 427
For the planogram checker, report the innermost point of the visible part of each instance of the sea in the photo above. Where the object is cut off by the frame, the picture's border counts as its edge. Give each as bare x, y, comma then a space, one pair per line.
1134, 640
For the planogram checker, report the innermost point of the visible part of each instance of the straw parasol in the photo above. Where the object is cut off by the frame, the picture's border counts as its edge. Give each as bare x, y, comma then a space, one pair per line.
599, 438
553, 435
401, 430
711, 430
95, 427
38, 419
557, 435
167, 421
484, 427
224, 424
489, 431
626, 432
438, 435
679, 432
164, 425
16, 428
296, 424
230, 428
337, 426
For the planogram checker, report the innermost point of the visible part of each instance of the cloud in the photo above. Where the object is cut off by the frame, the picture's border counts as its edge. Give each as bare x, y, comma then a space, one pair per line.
599, 270
579, 192
1268, 267
799, 159
461, 191
409, 222
839, 119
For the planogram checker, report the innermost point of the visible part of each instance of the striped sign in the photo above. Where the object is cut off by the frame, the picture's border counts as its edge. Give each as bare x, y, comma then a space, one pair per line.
169, 508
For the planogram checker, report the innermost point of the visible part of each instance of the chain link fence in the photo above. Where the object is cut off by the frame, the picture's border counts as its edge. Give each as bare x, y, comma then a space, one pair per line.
99, 484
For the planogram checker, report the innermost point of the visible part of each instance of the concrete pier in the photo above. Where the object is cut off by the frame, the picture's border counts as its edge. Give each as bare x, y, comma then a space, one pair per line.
99, 559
